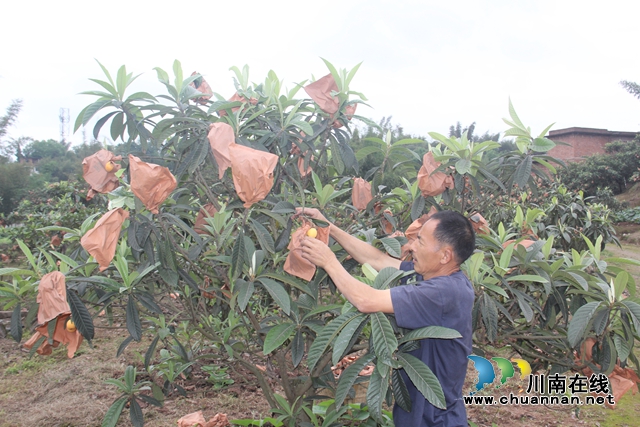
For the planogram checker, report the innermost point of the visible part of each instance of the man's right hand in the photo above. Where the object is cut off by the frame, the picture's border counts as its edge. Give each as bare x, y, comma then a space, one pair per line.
311, 213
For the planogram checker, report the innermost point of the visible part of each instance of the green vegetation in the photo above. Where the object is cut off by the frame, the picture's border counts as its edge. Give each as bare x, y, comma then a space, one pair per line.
541, 281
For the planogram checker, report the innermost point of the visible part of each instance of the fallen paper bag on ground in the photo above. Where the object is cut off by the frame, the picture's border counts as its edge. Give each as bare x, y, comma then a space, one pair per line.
99, 170
295, 264
102, 239
196, 419
151, 183
432, 183
221, 137
361, 194
252, 173
320, 92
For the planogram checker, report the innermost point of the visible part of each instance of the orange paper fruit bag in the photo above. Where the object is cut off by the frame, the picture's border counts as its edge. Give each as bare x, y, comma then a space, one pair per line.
102, 239
151, 183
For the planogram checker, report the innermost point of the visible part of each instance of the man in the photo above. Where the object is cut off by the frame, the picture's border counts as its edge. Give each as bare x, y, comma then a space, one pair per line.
442, 296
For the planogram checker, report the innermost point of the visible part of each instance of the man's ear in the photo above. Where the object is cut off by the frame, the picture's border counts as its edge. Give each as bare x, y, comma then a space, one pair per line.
447, 255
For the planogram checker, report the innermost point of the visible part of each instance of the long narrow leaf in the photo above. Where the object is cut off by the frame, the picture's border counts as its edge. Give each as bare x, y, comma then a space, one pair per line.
134, 326
424, 379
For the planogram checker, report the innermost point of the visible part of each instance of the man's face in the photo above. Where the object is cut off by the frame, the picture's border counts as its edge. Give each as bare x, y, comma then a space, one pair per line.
427, 252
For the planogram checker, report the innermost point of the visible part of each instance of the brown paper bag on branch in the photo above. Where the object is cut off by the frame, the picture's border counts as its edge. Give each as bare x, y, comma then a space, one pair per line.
240, 98
221, 137
102, 239
207, 211
361, 194
386, 225
414, 228
295, 264
295, 150
202, 87
94, 171
151, 183
349, 111
432, 183
320, 92
479, 224
252, 173
52, 297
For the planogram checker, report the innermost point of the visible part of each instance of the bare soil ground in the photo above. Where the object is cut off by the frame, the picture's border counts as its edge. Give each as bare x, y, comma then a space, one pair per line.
55, 391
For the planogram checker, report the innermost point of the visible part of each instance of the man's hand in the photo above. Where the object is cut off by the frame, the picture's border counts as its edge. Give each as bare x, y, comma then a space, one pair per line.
317, 253
311, 213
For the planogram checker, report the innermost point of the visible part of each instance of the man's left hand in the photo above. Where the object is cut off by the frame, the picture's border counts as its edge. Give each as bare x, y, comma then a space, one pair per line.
317, 253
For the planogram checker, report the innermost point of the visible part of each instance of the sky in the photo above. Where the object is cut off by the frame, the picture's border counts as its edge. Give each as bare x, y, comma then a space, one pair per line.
428, 64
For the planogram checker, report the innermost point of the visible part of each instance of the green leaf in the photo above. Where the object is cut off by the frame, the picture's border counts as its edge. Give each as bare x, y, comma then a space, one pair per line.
526, 278
580, 321
463, 166
634, 309
123, 345
523, 172
10, 271
336, 158
490, 316
376, 393
148, 355
384, 340
277, 292
16, 323
327, 335
284, 207
349, 376
113, 413
417, 207
620, 283
622, 347
51, 328
133, 319
400, 391
386, 276
237, 256
297, 348
514, 116
367, 150
392, 246
525, 308
291, 281
277, 336
245, 291
347, 337
135, 413
80, 314
27, 252
424, 379
542, 145
264, 237
439, 332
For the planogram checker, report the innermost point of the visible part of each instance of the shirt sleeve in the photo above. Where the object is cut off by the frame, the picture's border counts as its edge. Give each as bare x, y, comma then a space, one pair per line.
417, 306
